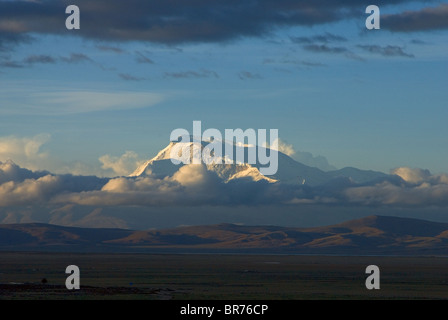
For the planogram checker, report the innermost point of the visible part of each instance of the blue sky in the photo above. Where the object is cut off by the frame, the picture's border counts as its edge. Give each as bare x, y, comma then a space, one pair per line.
369, 99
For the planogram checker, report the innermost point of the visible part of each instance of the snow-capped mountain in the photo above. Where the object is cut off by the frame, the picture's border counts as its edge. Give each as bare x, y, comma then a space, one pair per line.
289, 171
164, 164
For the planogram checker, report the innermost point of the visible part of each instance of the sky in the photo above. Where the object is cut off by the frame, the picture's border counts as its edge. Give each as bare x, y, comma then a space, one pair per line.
101, 99
136, 70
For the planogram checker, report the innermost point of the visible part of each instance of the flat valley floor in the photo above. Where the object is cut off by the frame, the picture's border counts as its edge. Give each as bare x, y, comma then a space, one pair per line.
41, 276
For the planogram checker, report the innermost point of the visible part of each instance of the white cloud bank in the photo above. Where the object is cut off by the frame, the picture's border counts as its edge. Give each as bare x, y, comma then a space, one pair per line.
30, 191
23, 187
416, 187
20, 186
191, 184
194, 185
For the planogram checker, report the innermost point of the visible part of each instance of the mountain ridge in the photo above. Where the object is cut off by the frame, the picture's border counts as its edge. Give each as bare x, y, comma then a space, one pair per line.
383, 235
289, 170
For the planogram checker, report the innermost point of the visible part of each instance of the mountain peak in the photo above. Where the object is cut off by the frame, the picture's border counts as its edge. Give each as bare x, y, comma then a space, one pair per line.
163, 164
289, 170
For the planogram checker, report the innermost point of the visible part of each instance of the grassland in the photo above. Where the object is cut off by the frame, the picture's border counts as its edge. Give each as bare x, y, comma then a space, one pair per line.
223, 277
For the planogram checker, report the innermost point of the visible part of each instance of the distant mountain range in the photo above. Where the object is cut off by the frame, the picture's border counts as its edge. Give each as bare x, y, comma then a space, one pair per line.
289, 170
373, 235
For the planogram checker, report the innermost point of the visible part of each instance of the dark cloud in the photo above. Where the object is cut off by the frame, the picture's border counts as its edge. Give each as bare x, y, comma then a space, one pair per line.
418, 41
10, 64
44, 59
141, 58
433, 18
76, 58
313, 64
110, 49
322, 38
245, 75
321, 44
41, 58
175, 21
296, 62
192, 74
387, 51
9, 171
8, 40
324, 48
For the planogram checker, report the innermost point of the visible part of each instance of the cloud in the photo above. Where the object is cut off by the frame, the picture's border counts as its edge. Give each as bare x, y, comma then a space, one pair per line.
11, 64
44, 59
324, 48
415, 187
282, 146
313, 64
191, 185
322, 38
112, 49
141, 58
9, 171
196, 176
296, 62
245, 75
129, 77
306, 158
426, 19
192, 74
123, 165
176, 21
56, 101
418, 176
76, 58
195, 185
390, 194
319, 44
387, 51
418, 41
24, 150
9, 40
30, 191
28, 152
309, 159
33, 59
412, 175
23, 187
